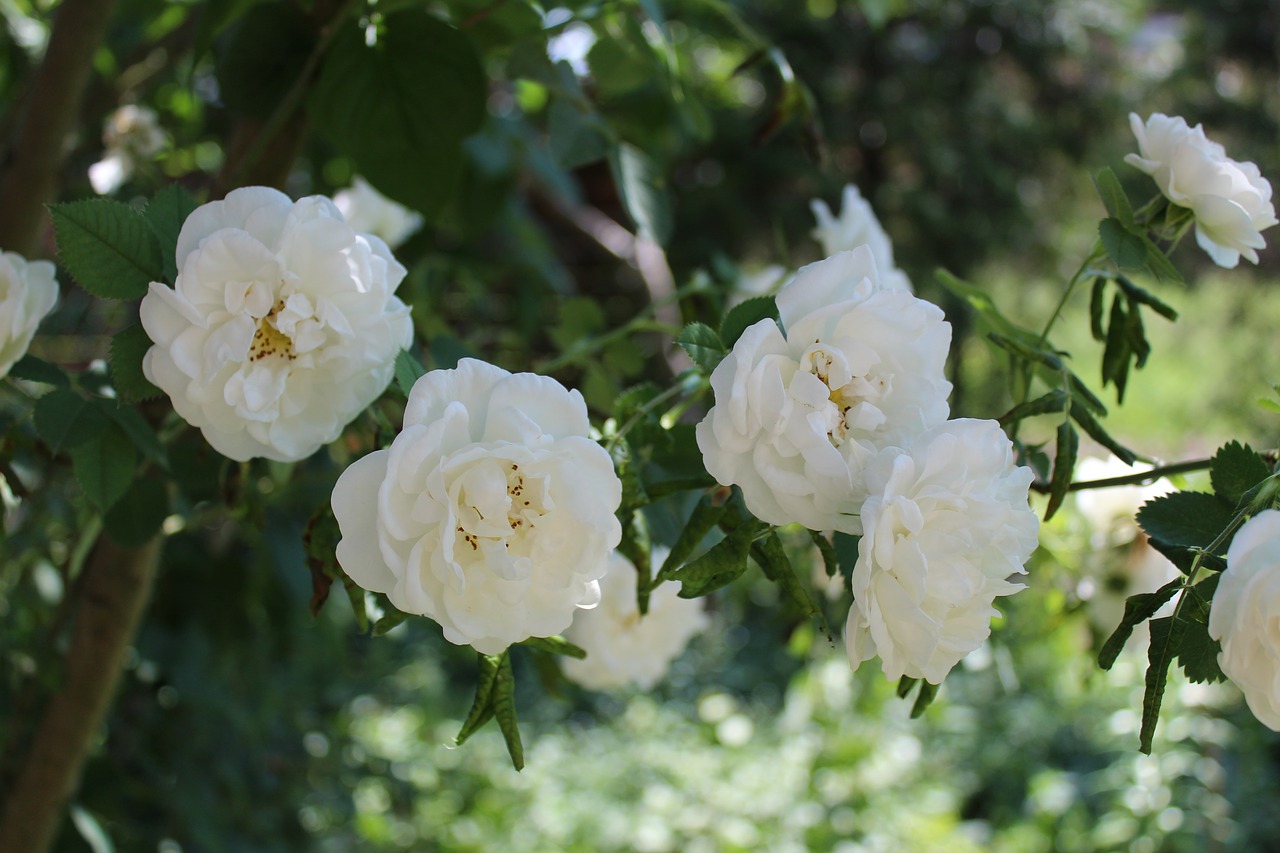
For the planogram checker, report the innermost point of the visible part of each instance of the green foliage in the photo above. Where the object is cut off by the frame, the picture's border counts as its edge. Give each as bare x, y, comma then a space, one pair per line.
743, 315
1064, 464
722, 564
1187, 519
265, 56
1236, 469
703, 345
165, 214
34, 369
104, 466
407, 371
108, 247
128, 347
495, 697
136, 515
66, 420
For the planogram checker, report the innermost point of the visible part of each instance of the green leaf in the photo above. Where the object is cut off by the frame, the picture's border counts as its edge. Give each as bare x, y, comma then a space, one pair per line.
1097, 300
705, 516
1085, 419
555, 645
576, 134
776, 565
408, 371
104, 467
263, 57
703, 345
721, 565
504, 708
1125, 248
402, 106
980, 301
642, 188
905, 683
482, 706
924, 698
33, 369
1137, 609
128, 347
140, 433
1136, 335
830, 562
1115, 357
846, 548
744, 315
65, 420
1236, 469
391, 619
108, 247
1054, 401
138, 514
1166, 640
1188, 519
1145, 297
1113, 197
165, 214
1158, 264
1198, 655
1184, 558
1064, 463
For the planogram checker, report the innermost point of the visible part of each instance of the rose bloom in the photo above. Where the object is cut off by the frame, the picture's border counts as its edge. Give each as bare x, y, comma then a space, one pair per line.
491, 513
369, 211
946, 524
1243, 616
856, 226
283, 324
132, 133
28, 291
624, 647
1231, 201
798, 415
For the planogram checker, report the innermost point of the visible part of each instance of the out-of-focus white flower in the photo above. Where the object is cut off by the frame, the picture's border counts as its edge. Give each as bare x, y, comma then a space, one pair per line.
624, 647
1243, 616
1231, 201
491, 513
856, 226
946, 524
1112, 511
798, 415
572, 45
370, 212
132, 133
283, 324
759, 282
28, 291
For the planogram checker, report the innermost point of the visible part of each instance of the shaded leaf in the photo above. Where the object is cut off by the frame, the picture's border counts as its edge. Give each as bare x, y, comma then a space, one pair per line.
504, 708
1166, 640
928, 692
1125, 248
1097, 301
555, 645
165, 214
1137, 609
1054, 401
1189, 519
128, 347
1236, 469
705, 516
1113, 197
33, 369
65, 420
108, 247
1087, 422
482, 705
642, 189
721, 565
744, 315
104, 467
1064, 464
138, 514
408, 370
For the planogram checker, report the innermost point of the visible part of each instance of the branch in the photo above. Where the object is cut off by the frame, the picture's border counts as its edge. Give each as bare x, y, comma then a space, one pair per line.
116, 585
50, 105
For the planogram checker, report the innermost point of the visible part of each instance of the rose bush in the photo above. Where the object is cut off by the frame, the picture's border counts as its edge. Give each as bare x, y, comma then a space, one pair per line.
1243, 616
1231, 200
28, 291
282, 326
946, 524
132, 134
856, 226
492, 512
798, 414
624, 647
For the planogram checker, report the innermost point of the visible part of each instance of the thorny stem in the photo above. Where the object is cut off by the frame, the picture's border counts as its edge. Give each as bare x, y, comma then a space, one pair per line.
1140, 478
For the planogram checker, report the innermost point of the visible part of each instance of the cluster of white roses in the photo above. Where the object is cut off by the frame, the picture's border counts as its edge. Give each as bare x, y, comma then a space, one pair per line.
28, 291
835, 417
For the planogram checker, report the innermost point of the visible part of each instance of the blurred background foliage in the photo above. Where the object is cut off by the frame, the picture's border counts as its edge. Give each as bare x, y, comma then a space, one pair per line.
707, 125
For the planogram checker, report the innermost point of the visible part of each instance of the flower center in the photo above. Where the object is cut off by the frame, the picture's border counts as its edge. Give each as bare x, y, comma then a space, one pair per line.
853, 399
488, 512
269, 341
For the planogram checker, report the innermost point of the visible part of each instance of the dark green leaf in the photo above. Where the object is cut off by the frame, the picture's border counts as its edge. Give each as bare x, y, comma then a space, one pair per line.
1166, 641
776, 565
108, 247
705, 516
1136, 335
1189, 519
1115, 357
33, 369
1113, 197
65, 420
446, 351
1184, 558
703, 345
1145, 297
104, 467
905, 683
128, 347
1125, 248
1158, 264
482, 706
138, 514
643, 191
830, 562
504, 708
924, 698
846, 548
263, 58
216, 17
746, 314
576, 135
402, 106
1054, 401
1097, 300
555, 645
165, 214
1137, 609
1082, 416
408, 371
721, 565
1198, 656
390, 619
1064, 463
1235, 470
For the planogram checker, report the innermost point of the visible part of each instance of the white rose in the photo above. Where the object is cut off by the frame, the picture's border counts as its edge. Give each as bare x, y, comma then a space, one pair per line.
491, 513
28, 292
1231, 201
760, 282
132, 133
946, 524
856, 226
798, 415
1243, 615
370, 212
624, 647
282, 327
